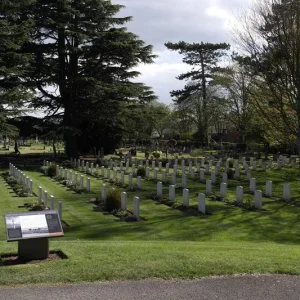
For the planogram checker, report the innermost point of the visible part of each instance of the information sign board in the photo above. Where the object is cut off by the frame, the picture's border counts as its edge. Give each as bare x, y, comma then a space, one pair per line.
33, 224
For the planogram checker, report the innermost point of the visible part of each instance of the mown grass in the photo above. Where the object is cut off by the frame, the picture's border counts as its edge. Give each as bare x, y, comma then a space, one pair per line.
169, 243
136, 260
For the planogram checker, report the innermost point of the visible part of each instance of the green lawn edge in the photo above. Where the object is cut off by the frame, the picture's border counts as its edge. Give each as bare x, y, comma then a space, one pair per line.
90, 261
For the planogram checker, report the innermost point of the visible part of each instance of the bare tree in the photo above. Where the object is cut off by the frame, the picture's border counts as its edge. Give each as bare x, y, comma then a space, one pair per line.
270, 42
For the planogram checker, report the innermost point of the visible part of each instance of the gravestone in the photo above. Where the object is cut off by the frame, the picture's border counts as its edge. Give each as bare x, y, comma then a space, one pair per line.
201, 203
223, 190
208, 187
186, 200
136, 207
172, 193
159, 189
258, 199
239, 195
123, 200
269, 188
252, 185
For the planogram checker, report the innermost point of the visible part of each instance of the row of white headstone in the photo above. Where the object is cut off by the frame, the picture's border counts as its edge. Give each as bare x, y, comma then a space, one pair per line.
206, 162
21, 178
89, 169
49, 202
223, 193
28, 184
185, 196
213, 180
73, 177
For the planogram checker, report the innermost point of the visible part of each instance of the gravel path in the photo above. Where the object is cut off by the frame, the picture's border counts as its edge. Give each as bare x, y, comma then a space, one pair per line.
267, 287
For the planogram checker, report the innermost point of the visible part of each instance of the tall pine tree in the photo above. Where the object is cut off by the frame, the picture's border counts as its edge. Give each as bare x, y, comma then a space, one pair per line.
204, 58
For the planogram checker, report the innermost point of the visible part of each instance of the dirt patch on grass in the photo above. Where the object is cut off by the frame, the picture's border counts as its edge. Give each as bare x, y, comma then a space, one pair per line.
13, 259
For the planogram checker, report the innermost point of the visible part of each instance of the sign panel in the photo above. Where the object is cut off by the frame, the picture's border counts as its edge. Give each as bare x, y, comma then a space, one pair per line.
32, 225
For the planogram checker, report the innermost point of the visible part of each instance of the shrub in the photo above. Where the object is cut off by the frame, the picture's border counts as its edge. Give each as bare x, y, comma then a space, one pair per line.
196, 152
51, 171
44, 170
36, 206
231, 163
113, 200
11, 180
230, 174
157, 154
141, 172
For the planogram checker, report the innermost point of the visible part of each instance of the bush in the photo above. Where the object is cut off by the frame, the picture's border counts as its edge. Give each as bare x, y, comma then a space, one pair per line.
113, 200
157, 154
230, 174
36, 206
196, 152
44, 170
51, 171
141, 172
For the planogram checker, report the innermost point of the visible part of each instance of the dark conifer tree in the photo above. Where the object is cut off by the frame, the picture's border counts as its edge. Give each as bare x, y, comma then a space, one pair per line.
204, 58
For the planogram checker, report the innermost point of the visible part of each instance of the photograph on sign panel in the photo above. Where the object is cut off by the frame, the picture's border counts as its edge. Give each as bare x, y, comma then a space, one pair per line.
13, 226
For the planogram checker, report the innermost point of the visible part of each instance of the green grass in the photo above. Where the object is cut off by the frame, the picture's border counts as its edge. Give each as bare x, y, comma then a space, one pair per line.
170, 243
116, 260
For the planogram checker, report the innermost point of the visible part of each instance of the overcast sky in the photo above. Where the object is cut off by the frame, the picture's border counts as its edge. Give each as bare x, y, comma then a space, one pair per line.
159, 21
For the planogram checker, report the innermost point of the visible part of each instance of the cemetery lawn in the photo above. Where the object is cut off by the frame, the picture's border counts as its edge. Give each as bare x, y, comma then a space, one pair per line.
168, 243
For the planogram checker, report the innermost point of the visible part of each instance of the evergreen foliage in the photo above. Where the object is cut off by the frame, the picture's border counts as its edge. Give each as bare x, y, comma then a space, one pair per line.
204, 58
82, 66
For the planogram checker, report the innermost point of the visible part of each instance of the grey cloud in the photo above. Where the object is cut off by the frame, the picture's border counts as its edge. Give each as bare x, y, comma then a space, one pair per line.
159, 21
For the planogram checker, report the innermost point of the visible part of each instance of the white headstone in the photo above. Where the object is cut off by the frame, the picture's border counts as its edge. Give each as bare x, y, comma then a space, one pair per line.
52, 202
252, 185
136, 207
40, 191
239, 195
88, 184
201, 203
123, 201
159, 189
186, 197
269, 188
202, 175
208, 187
45, 199
130, 180
258, 199
160, 166
172, 192
223, 190
139, 182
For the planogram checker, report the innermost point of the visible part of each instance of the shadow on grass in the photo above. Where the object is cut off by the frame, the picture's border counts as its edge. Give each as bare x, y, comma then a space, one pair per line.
12, 259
